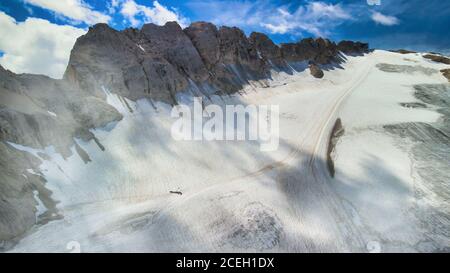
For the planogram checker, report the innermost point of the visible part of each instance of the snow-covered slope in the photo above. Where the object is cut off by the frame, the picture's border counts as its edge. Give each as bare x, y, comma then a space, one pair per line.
237, 198
377, 170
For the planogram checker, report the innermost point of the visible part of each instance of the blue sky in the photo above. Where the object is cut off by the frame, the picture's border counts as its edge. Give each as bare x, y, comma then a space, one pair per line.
387, 24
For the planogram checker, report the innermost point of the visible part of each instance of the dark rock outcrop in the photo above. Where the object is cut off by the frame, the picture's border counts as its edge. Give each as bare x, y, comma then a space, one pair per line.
320, 51
323, 51
336, 133
437, 58
115, 60
316, 71
446, 73
175, 46
231, 58
403, 51
350, 47
205, 38
267, 50
158, 62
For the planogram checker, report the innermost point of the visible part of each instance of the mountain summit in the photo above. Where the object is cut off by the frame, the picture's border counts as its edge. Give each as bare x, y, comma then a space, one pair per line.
158, 62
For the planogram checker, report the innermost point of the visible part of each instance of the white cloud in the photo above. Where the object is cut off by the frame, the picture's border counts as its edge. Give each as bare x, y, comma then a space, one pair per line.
130, 10
158, 14
385, 20
36, 45
76, 10
113, 5
313, 17
320, 9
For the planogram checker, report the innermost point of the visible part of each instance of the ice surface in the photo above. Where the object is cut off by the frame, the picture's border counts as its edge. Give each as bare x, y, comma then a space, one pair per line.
235, 197
376, 170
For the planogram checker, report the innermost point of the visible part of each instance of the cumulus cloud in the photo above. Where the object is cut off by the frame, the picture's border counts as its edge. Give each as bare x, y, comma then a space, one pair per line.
36, 45
113, 5
314, 17
76, 10
385, 20
158, 14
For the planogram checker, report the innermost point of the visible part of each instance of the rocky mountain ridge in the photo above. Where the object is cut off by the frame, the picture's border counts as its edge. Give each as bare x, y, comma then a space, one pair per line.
158, 62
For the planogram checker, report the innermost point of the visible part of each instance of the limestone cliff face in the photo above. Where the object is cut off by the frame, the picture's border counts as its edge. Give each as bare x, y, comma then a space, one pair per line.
350, 47
320, 51
158, 62
268, 50
154, 62
231, 58
38, 112
205, 38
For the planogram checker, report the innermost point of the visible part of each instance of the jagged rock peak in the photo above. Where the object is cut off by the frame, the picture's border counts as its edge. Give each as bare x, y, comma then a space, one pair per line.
350, 47
169, 26
160, 61
204, 36
99, 29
